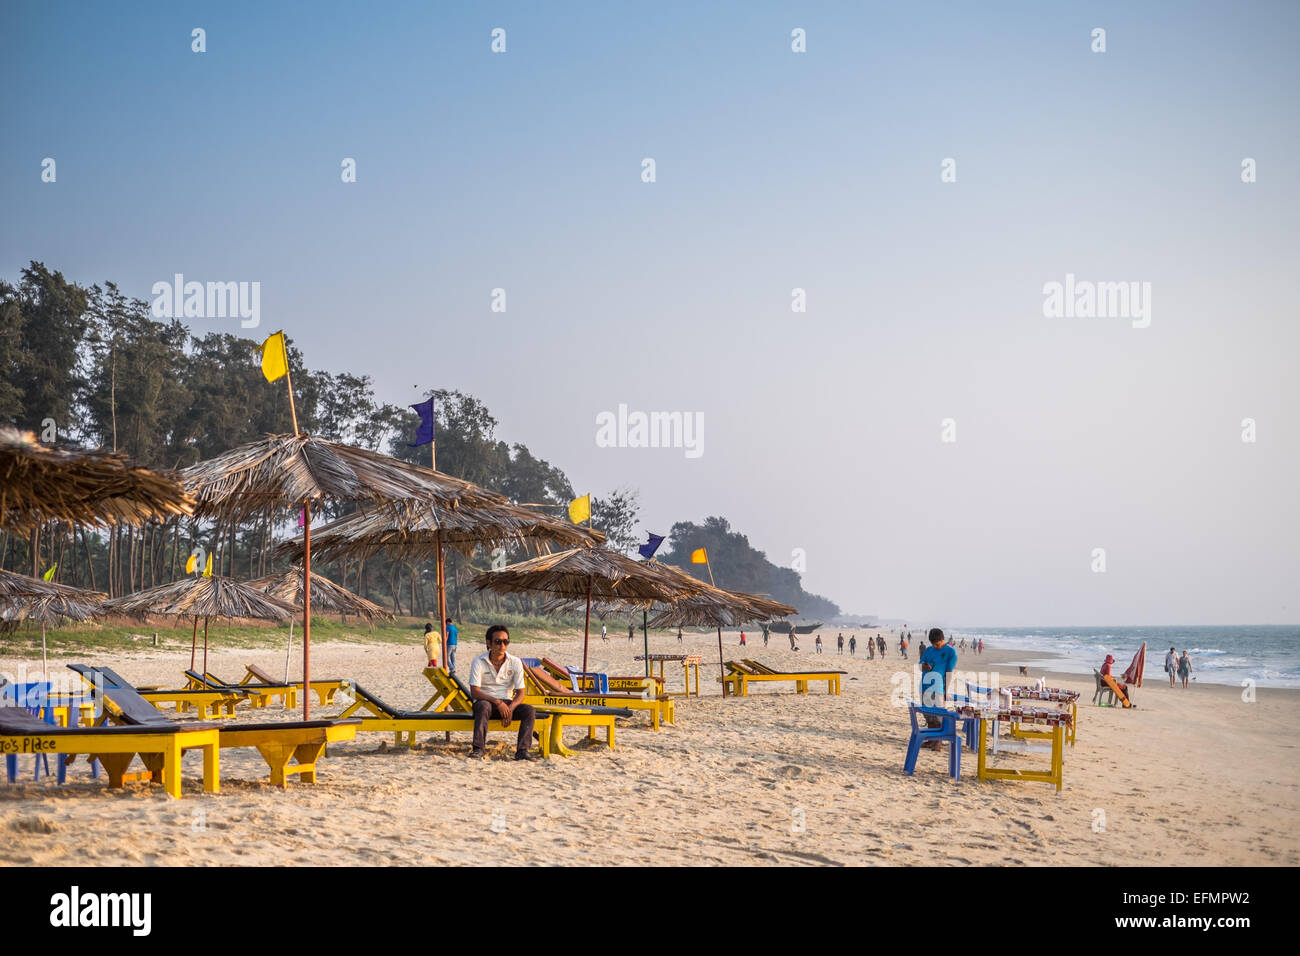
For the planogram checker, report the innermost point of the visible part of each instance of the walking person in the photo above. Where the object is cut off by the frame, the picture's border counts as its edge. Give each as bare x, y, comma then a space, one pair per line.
766, 630
871, 649
840, 645
431, 645
1171, 665
819, 643
1184, 668
679, 635
453, 635
604, 634
742, 638
631, 631
853, 646
793, 645
880, 645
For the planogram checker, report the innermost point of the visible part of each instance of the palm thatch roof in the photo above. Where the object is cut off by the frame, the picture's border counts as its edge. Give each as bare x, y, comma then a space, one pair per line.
406, 531
26, 598
39, 484
326, 596
724, 609
598, 575
204, 597
282, 470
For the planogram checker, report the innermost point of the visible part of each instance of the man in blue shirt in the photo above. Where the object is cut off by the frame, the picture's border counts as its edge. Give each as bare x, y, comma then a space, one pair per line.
452, 634
937, 662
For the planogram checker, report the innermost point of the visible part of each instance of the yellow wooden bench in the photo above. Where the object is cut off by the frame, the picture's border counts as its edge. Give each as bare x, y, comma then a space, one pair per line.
740, 674
542, 691
258, 695
325, 689
160, 747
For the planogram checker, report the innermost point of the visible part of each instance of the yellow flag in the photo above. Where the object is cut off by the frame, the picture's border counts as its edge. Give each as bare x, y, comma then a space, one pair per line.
275, 358
699, 556
580, 509
49, 575
189, 565
207, 572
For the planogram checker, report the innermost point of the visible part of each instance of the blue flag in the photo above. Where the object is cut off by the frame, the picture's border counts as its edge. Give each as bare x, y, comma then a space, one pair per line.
648, 549
425, 433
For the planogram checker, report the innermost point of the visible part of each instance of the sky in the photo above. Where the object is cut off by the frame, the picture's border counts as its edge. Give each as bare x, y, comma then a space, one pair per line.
774, 170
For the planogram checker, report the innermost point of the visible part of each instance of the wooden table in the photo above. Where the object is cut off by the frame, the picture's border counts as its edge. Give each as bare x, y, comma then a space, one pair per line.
688, 661
1017, 714
1066, 699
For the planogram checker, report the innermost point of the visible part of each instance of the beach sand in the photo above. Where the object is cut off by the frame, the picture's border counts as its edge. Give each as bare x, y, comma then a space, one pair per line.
1189, 777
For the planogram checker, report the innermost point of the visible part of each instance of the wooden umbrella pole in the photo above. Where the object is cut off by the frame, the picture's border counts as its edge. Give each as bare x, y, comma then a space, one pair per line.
194, 642
45, 664
645, 635
722, 668
306, 611
586, 627
440, 570
205, 645
288, 651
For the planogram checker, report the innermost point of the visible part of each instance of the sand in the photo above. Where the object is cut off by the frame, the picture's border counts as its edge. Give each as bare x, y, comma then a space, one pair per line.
1189, 777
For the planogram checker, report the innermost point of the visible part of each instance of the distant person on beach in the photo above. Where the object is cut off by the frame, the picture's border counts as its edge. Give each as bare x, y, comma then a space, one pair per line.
1184, 668
453, 636
679, 635
793, 645
880, 645
819, 643
840, 644
853, 645
766, 631
871, 648
902, 648
604, 633
430, 646
937, 662
496, 685
1171, 665
742, 638
631, 631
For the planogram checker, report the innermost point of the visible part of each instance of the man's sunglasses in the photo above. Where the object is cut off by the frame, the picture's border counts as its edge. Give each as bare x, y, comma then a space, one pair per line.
500, 640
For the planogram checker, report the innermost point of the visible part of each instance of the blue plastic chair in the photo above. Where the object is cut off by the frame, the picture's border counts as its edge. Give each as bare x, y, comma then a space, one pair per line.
600, 682
945, 732
31, 698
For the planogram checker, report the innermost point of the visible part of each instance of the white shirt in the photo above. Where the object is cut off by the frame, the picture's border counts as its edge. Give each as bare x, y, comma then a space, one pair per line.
500, 684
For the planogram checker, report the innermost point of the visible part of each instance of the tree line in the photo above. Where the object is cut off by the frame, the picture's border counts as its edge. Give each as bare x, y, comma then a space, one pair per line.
91, 366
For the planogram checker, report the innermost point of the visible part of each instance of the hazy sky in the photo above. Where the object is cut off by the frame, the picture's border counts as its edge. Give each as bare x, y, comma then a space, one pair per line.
775, 170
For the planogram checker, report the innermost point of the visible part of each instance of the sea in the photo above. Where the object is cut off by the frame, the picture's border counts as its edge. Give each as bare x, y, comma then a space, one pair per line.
1269, 655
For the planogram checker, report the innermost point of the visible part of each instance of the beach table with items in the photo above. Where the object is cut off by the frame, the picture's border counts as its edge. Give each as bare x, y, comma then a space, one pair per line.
1018, 714
688, 662
1066, 700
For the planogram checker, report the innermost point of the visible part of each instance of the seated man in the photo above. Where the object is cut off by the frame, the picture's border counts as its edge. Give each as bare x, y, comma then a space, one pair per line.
496, 685
1105, 669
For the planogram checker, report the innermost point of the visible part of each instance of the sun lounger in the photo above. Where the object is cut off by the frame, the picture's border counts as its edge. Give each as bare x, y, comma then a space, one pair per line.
580, 682
159, 747
204, 702
279, 743
740, 674
325, 689
544, 691
376, 716
259, 695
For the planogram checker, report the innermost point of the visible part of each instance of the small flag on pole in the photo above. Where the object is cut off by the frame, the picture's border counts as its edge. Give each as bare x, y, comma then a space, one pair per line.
207, 571
49, 575
191, 564
580, 509
648, 549
699, 556
275, 358
424, 435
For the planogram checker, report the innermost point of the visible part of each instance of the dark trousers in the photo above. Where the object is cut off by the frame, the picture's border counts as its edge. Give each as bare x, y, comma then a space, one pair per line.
485, 711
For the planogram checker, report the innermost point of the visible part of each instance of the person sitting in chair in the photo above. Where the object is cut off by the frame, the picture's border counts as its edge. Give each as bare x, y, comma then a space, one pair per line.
1105, 670
496, 685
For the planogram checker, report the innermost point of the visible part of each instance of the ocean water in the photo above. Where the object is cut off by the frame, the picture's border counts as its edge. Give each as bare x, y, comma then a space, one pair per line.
1268, 655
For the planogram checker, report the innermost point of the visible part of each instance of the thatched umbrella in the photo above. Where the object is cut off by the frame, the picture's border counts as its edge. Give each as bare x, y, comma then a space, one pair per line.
328, 597
591, 575
39, 484
291, 471
206, 598
23, 598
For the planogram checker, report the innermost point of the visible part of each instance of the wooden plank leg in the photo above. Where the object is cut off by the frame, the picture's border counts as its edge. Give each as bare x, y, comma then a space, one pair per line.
277, 757
116, 765
983, 732
306, 756
171, 772
1057, 756
211, 768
